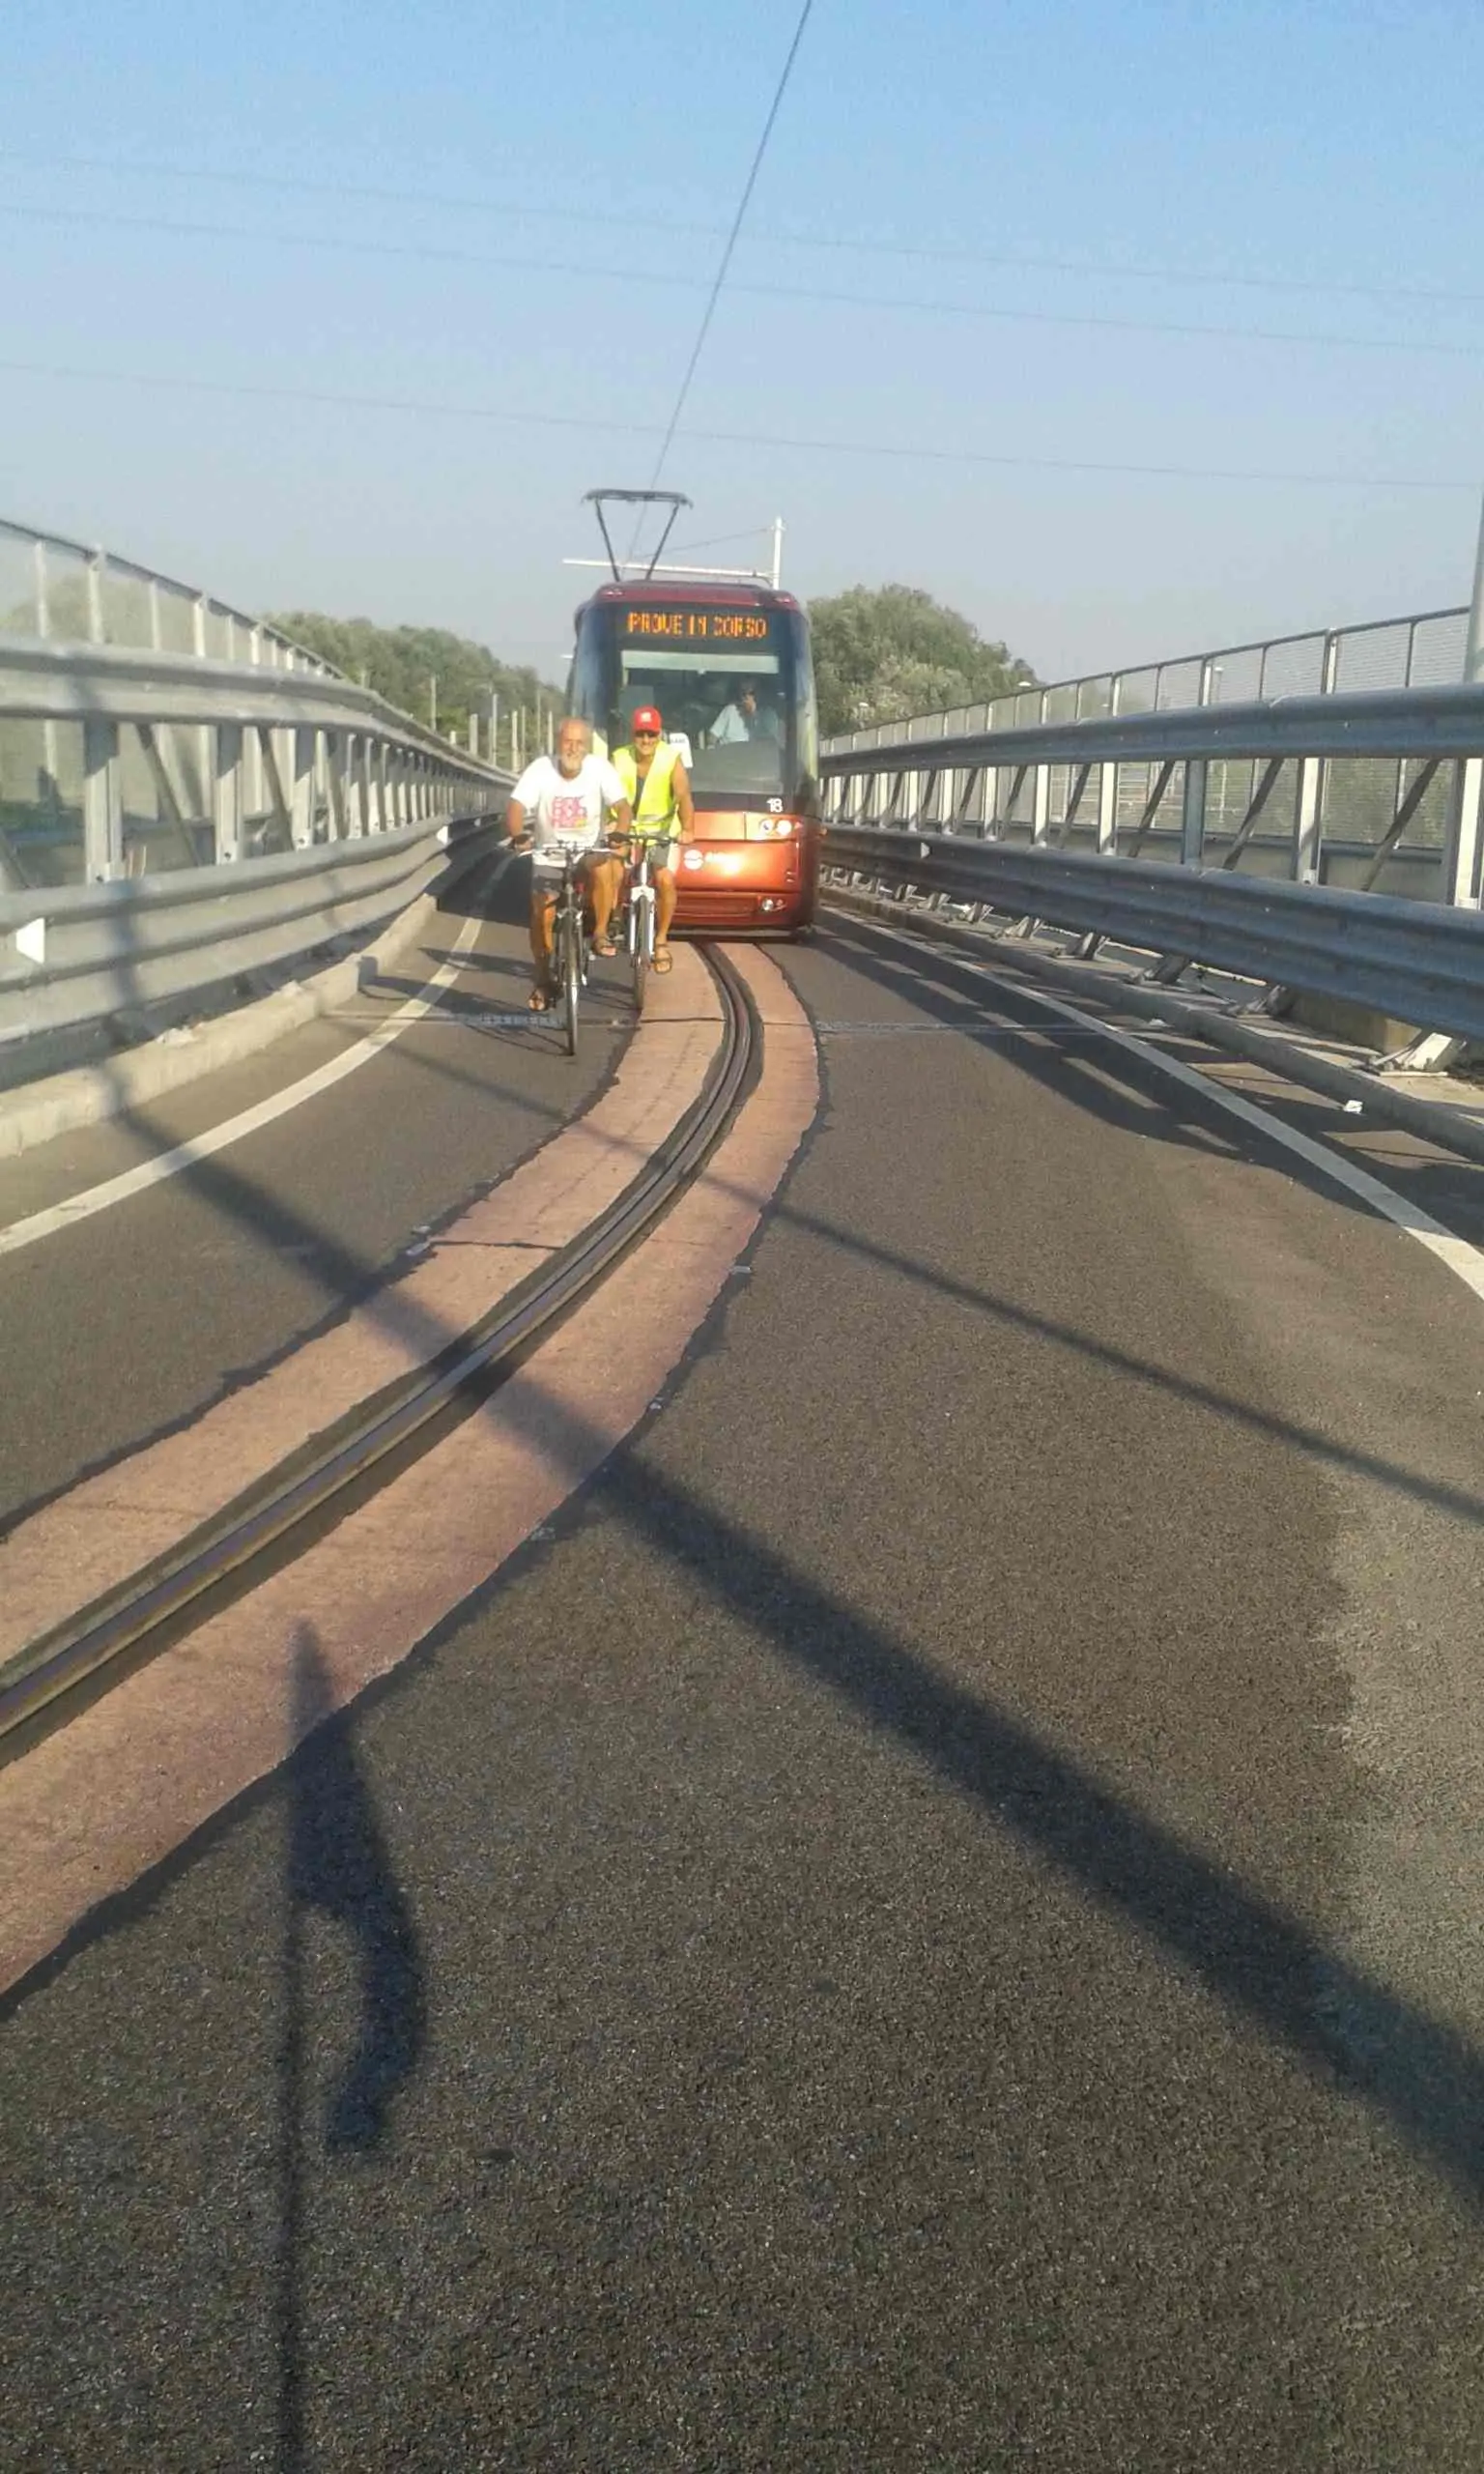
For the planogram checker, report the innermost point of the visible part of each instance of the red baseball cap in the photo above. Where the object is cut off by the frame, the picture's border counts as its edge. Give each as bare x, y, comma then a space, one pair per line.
645, 717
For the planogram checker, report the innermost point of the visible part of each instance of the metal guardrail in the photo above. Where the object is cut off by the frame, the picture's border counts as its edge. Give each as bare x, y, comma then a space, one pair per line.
1428, 740
175, 815
1172, 829
75, 592
1423, 648
1328, 758
122, 953
1415, 961
1420, 721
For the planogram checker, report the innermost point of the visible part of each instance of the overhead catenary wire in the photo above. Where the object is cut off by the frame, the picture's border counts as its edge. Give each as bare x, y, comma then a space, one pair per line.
720, 540
422, 407
710, 312
526, 210
984, 312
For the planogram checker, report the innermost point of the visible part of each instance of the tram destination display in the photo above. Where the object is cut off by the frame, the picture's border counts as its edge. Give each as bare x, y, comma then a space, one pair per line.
691, 626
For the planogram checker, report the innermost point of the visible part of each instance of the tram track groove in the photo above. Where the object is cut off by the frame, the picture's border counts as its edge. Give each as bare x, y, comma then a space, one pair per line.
269, 1523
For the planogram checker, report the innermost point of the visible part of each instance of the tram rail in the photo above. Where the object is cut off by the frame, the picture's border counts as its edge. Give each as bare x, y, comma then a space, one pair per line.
272, 1522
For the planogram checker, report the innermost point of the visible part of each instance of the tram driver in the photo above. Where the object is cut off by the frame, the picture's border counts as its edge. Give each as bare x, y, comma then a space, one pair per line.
743, 718
566, 799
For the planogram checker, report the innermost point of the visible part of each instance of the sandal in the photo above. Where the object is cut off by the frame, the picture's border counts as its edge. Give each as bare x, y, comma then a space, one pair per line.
664, 960
606, 948
539, 1001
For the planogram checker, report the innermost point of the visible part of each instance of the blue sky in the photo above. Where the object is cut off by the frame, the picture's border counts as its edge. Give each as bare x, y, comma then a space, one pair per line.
356, 280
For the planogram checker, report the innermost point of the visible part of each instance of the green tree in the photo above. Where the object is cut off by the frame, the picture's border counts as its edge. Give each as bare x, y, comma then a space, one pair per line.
404, 663
885, 654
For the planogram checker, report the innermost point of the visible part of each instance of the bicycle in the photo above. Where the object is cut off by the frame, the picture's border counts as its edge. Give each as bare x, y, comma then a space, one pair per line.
640, 910
569, 938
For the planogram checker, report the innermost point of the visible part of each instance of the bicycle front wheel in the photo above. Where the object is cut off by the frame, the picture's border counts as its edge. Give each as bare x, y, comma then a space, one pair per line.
642, 945
570, 978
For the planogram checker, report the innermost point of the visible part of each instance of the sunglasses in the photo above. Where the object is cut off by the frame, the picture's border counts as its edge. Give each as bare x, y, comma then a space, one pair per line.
646, 734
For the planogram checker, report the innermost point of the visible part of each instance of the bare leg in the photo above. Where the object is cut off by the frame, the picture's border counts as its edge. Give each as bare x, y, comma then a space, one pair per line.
665, 898
543, 910
603, 878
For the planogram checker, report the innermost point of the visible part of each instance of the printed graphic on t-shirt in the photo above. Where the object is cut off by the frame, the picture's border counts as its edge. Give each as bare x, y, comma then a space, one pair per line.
568, 815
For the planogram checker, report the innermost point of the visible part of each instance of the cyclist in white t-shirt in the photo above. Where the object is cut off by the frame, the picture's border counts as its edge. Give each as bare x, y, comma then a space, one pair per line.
564, 800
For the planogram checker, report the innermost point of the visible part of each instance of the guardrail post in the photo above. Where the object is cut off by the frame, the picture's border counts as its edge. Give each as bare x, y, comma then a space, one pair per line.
1108, 786
1306, 821
337, 793
1192, 813
301, 793
1460, 864
1308, 806
256, 787
49, 744
1040, 783
227, 792
361, 799
103, 803
1107, 808
95, 574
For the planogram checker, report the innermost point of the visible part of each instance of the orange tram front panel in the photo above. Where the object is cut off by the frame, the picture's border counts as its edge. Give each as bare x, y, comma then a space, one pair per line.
745, 872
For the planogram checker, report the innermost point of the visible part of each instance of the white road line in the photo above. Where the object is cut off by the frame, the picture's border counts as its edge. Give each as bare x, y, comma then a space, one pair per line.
186, 1155
1455, 1253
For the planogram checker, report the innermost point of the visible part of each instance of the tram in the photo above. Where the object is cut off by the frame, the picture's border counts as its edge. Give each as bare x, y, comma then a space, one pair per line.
727, 662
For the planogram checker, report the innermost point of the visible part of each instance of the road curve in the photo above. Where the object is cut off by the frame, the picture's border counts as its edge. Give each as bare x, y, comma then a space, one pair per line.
929, 1921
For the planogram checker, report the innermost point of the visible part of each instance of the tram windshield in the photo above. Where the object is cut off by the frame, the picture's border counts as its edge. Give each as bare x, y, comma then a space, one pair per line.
733, 686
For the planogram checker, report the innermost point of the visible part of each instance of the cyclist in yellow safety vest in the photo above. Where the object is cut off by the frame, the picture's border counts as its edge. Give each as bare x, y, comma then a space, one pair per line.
658, 788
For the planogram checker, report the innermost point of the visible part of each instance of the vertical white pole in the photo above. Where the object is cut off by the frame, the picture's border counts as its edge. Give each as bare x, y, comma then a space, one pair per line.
1473, 647
778, 550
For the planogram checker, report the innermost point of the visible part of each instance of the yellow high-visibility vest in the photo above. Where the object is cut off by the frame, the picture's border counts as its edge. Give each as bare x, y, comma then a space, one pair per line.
654, 803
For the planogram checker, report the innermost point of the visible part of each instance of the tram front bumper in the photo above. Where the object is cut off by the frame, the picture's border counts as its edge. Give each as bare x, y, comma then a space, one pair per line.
740, 885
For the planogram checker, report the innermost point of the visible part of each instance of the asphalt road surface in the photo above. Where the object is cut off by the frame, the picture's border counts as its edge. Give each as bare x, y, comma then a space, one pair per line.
932, 1922
127, 1324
